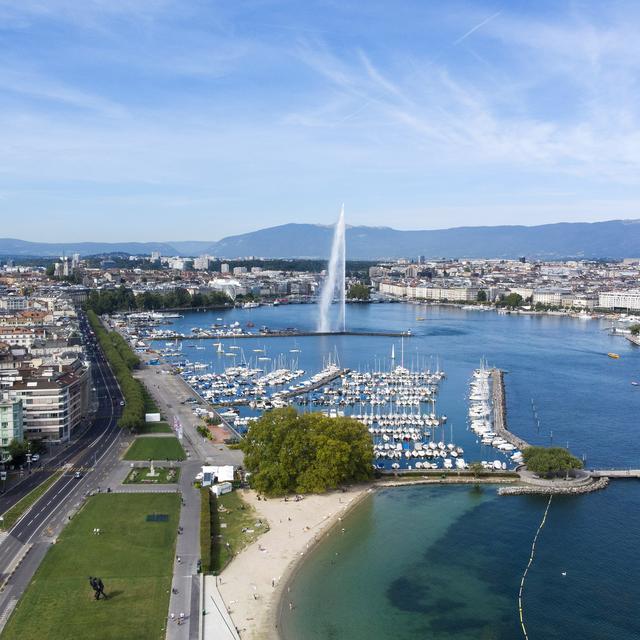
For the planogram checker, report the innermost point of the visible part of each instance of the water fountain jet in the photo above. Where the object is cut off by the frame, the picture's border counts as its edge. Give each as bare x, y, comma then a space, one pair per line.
335, 280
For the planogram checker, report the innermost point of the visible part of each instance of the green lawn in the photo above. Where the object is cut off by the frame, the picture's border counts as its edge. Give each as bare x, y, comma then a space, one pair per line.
133, 557
165, 476
10, 517
154, 427
155, 449
227, 541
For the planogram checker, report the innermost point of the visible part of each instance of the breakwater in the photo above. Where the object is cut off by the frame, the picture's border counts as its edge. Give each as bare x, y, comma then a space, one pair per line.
500, 411
552, 489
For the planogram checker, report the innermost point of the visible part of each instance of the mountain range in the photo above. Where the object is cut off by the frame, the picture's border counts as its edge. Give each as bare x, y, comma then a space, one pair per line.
612, 239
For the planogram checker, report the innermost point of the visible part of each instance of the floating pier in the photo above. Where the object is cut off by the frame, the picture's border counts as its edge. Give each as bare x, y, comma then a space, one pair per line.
288, 394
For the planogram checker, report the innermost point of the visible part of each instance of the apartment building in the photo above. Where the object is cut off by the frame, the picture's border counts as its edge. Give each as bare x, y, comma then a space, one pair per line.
625, 300
11, 424
54, 399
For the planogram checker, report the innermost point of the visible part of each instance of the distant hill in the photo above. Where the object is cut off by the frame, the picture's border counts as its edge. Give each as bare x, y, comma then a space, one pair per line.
613, 239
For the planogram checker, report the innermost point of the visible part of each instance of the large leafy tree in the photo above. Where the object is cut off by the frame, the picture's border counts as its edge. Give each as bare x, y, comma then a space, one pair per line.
359, 292
549, 461
305, 453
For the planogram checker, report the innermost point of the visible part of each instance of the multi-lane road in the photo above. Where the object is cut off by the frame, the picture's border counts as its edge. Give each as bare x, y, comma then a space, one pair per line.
82, 464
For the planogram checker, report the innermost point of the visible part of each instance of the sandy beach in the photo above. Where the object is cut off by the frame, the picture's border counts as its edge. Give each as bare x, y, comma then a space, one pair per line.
252, 583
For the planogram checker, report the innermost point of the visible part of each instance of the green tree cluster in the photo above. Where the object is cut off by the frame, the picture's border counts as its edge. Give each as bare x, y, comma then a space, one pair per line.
289, 452
635, 329
549, 461
122, 360
358, 292
513, 300
482, 296
18, 450
123, 299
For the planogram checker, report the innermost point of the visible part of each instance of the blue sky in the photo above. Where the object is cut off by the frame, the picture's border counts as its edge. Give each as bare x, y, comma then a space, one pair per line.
196, 119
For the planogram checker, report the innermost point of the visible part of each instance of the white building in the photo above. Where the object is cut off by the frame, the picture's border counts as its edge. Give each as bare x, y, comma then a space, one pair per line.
553, 297
14, 303
11, 423
620, 300
54, 400
202, 263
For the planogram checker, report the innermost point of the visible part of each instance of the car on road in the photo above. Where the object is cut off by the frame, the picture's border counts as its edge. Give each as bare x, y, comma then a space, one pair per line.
35, 457
122, 403
77, 475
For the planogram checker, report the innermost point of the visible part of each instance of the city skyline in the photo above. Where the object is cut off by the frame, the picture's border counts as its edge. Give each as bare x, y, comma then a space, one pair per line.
165, 121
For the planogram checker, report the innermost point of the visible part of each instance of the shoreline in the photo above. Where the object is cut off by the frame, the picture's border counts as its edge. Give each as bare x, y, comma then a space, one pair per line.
255, 605
253, 584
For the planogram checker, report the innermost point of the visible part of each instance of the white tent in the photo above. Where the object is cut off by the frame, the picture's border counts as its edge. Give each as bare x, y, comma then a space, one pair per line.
211, 475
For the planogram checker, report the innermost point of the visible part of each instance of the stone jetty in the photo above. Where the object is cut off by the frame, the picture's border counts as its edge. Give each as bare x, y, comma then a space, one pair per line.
500, 411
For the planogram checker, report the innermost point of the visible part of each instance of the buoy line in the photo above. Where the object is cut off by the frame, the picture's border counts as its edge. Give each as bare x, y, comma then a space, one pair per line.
524, 575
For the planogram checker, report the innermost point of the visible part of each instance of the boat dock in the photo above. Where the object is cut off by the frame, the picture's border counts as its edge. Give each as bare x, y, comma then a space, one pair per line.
280, 334
292, 393
500, 411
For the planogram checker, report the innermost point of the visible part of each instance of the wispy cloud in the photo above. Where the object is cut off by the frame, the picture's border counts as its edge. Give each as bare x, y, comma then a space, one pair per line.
481, 24
270, 112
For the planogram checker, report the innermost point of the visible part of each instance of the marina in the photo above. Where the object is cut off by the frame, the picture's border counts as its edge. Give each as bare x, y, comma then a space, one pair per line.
390, 387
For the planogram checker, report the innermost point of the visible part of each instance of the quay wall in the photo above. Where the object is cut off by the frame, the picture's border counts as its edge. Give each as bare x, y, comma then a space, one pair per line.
500, 411
283, 334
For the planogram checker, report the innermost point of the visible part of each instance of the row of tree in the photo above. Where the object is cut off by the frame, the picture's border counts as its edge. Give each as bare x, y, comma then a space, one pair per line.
288, 452
123, 299
122, 360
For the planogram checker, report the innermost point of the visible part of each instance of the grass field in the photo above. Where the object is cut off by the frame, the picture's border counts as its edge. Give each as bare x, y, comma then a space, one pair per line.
154, 427
10, 517
155, 449
165, 476
237, 515
133, 557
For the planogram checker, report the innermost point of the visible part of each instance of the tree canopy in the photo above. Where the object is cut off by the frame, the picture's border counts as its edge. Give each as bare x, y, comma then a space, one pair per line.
358, 292
288, 452
513, 300
550, 460
123, 299
635, 329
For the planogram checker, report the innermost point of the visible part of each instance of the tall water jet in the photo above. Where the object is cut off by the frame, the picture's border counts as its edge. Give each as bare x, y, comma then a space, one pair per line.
335, 280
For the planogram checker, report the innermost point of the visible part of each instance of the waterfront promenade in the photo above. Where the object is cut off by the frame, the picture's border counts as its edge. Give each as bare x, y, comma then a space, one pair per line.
205, 335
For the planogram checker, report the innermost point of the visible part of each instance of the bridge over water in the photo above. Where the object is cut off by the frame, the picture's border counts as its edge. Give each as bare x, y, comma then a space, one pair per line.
615, 473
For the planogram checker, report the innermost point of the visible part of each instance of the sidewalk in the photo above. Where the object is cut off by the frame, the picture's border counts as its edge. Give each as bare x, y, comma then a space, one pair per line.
217, 621
185, 580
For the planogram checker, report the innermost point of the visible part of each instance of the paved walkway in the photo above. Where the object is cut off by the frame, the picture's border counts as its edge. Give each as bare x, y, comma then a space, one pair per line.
168, 391
217, 621
185, 596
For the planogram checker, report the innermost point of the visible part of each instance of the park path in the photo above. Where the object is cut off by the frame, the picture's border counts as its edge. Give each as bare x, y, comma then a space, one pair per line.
185, 594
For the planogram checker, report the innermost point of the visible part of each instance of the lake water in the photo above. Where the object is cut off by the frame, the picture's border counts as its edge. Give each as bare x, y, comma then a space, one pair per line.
446, 562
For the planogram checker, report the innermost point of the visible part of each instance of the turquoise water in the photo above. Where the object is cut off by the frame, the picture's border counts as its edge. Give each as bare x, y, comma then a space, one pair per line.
444, 563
